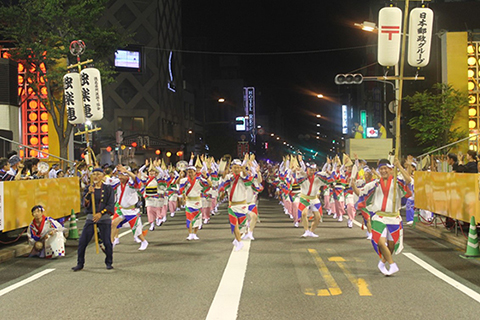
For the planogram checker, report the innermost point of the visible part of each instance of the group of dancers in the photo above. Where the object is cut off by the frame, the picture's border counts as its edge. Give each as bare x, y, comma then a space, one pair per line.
349, 187
201, 185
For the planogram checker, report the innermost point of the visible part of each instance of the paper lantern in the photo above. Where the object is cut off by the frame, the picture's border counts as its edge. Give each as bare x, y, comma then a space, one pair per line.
43, 68
44, 116
32, 104
389, 35
73, 98
33, 141
45, 141
92, 94
32, 116
44, 128
420, 37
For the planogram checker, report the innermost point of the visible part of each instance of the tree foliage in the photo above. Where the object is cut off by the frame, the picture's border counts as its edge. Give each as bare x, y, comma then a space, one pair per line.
42, 30
435, 112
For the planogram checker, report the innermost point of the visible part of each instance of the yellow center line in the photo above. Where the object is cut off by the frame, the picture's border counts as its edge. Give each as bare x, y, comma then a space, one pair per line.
327, 276
359, 283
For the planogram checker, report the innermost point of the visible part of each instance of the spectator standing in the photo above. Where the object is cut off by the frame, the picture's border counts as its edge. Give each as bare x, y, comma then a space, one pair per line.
471, 165
382, 132
358, 131
452, 160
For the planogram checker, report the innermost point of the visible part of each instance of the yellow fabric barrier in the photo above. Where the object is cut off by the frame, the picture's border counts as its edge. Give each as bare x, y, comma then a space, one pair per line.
58, 197
454, 195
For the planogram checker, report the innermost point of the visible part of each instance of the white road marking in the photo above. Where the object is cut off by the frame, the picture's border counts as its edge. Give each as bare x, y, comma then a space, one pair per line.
129, 231
24, 282
454, 283
227, 299
358, 224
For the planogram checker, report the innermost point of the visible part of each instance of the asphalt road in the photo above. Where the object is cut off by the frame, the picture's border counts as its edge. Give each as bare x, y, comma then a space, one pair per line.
334, 276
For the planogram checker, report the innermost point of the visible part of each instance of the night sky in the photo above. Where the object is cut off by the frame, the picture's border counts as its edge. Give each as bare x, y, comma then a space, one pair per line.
266, 33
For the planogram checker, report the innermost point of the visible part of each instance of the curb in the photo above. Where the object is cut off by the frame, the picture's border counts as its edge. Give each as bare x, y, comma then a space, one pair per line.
14, 252
442, 233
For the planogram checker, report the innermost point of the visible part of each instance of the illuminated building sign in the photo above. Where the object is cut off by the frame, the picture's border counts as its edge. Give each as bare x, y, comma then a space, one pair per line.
249, 105
344, 119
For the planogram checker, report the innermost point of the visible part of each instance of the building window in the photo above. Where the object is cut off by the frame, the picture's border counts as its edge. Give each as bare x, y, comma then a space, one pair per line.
133, 124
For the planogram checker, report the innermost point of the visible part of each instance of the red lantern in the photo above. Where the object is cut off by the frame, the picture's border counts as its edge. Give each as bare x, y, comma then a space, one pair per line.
109, 149
157, 152
134, 144
179, 153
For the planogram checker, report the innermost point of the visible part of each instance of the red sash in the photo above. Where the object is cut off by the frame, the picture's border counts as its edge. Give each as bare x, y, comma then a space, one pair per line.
39, 228
311, 179
121, 193
386, 191
234, 186
192, 183
150, 179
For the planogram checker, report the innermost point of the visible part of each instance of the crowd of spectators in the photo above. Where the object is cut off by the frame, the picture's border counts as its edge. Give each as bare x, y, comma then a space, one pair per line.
12, 167
458, 165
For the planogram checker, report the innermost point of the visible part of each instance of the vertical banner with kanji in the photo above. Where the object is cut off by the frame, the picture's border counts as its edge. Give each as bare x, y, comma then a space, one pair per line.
73, 98
420, 37
92, 94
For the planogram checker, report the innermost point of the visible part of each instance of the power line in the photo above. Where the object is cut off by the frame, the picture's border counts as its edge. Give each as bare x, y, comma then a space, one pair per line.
361, 68
260, 53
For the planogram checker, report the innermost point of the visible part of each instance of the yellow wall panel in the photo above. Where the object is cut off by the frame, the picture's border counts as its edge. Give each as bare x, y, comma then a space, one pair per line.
454, 195
58, 197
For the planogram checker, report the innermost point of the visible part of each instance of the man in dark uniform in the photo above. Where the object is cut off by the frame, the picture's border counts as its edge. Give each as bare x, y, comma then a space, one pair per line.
104, 208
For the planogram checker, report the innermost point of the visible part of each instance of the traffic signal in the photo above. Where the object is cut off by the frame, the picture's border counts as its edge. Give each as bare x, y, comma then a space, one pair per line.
393, 126
348, 78
119, 136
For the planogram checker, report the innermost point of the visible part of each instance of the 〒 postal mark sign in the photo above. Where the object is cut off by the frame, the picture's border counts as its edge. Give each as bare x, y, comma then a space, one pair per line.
389, 34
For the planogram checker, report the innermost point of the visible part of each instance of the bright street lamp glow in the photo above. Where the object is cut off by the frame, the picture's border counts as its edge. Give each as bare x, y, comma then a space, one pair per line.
221, 100
319, 116
366, 26
319, 96
272, 134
